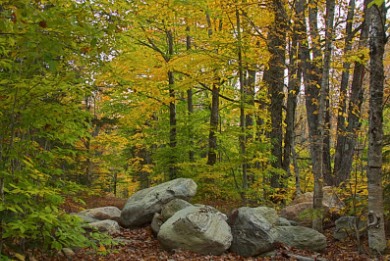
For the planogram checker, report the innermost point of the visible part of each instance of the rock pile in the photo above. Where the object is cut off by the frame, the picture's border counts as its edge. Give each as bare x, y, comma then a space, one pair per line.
203, 229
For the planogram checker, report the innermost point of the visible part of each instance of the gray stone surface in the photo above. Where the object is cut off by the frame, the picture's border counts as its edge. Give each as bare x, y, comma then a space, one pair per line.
102, 213
252, 230
68, 252
109, 226
283, 222
198, 229
347, 226
300, 213
301, 237
169, 209
86, 219
300, 209
141, 207
157, 221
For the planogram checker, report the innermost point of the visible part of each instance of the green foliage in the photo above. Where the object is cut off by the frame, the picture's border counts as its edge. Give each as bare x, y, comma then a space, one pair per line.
45, 46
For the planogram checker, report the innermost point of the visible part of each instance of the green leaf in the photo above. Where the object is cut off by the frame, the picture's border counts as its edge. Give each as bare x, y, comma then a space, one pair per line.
375, 2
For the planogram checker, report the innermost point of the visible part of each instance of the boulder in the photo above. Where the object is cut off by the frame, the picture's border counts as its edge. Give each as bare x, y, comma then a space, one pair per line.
169, 209
347, 226
140, 207
300, 213
86, 219
109, 226
101, 213
300, 209
331, 200
300, 237
198, 229
157, 221
252, 230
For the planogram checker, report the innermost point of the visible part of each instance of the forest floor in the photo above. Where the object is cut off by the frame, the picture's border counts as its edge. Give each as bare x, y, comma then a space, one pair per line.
140, 244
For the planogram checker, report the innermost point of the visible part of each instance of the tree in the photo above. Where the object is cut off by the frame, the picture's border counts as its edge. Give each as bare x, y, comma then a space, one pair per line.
347, 128
321, 169
274, 78
44, 49
377, 41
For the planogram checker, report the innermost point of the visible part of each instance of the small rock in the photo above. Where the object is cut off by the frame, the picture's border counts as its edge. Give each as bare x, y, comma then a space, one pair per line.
109, 226
102, 213
69, 253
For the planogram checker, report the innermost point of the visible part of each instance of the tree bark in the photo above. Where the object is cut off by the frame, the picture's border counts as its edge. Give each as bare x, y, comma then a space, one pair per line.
377, 41
172, 112
214, 116
320, 170
347, 136
190, 105
243, 137
294, 76
274, 78
214, 111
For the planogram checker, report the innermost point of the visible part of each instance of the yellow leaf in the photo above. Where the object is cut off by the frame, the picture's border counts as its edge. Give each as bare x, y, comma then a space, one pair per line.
20, 257
102, 249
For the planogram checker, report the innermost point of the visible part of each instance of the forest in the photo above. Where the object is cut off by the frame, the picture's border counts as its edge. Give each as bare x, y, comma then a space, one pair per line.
257, 101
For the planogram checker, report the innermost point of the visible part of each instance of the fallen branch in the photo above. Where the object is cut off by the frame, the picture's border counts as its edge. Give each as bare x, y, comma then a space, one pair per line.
302, 258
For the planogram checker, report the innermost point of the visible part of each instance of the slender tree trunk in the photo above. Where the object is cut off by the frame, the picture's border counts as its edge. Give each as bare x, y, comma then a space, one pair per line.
377, 41
144, 176
190, 105
294, 76
274, 78
347, 136
320, 170
190, 108
214, 116
250, 81
242, 106
342, 111
172, 112
214, 111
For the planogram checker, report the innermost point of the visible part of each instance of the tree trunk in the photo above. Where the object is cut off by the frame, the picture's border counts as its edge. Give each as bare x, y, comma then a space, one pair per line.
250, 82
214, 111
294, 76
320, 170
347, 136
190, 105
274, 78
243, 155
214, 116
172, 113
377, 40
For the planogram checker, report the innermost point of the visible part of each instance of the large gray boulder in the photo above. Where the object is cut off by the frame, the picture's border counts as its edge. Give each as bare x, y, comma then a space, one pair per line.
300, 237
101, 213
198, 229
252, 230
141, 206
